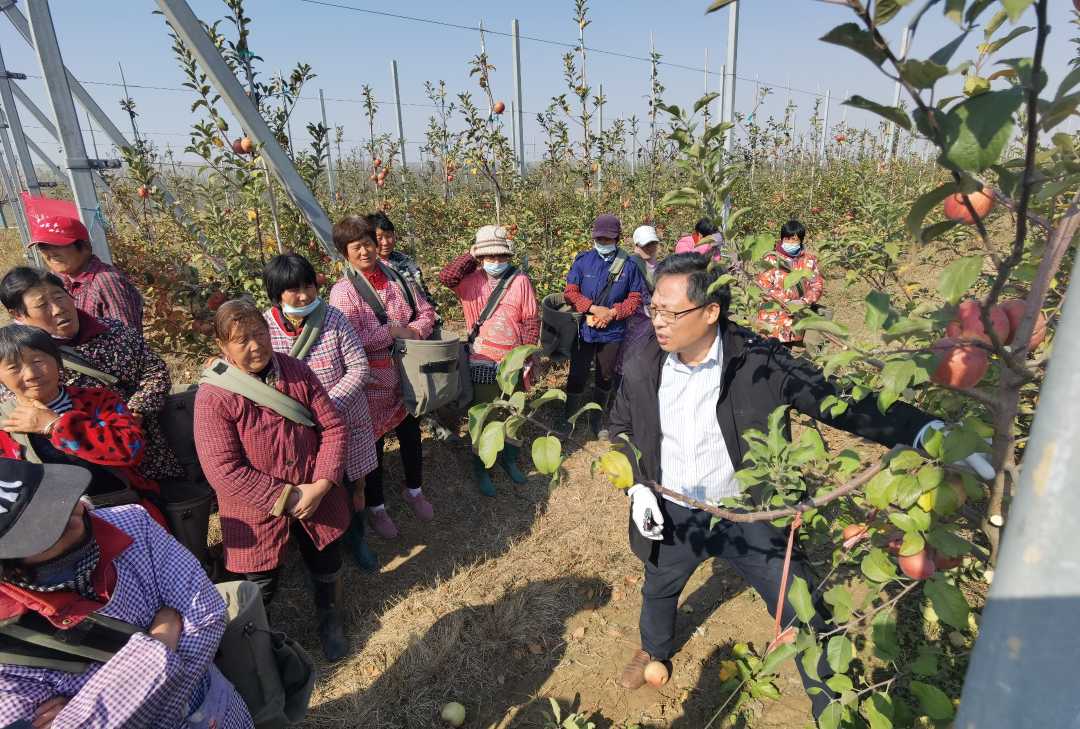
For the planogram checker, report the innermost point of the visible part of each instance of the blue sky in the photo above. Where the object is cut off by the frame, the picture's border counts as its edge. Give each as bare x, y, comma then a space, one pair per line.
777, 45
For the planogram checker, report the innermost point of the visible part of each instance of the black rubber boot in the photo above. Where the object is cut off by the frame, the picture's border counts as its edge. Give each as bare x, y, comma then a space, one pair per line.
335, 645
355, 540
574, 401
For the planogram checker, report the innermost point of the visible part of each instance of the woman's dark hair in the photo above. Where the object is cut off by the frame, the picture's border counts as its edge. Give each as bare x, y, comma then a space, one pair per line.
14, 338
380, 221
234, 312
287, 271
21, 279
704, 227
793, 228
353, 227
698, 279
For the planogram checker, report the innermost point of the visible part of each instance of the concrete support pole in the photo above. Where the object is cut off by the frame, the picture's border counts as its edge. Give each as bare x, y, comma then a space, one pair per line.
1021, 671
80, 169
824, 126
400, 122
729, 91
905, 43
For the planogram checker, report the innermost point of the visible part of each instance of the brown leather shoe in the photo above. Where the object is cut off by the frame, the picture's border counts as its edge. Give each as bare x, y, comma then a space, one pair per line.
633, 675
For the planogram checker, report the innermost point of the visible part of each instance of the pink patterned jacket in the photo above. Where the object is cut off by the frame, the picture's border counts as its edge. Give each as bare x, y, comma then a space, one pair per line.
384, 389
337, 358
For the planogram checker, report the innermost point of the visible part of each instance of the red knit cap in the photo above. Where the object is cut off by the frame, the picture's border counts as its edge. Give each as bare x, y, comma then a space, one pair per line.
53, 222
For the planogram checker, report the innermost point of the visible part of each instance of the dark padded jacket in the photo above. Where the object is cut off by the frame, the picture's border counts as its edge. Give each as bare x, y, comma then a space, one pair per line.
759, 374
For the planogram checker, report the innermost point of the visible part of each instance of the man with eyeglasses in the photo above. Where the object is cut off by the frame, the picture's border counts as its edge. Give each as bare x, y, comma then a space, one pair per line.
686, 398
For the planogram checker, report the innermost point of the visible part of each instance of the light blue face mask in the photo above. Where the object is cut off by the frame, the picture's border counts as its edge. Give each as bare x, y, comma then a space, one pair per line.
301, 310
791, 248
605, 250
496, 269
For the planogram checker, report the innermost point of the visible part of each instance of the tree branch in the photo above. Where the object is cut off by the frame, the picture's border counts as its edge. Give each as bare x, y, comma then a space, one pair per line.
806, 505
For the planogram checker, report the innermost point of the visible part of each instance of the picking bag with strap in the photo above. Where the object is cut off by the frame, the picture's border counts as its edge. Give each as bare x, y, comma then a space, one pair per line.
430, 369
559, 327
74, 361
483, 373
237, 381
272, 673
310, 332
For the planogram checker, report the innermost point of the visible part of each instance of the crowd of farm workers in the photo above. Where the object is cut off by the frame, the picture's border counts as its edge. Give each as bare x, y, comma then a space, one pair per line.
108, 617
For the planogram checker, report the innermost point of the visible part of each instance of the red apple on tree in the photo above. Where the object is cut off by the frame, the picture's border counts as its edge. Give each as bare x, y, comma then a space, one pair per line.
960, 366
238, 145
246, 145
144, 191
955, 209
320, 279
499, 107
1014, 310
918, 566
215, 301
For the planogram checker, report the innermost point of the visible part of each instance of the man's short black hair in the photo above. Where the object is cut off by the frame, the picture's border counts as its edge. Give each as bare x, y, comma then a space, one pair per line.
705, 227
14, 338
21, 279
793, 228
380, 221
287, 271
698, 279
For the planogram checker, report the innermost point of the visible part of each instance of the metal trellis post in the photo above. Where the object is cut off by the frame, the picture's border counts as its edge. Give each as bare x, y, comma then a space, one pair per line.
905, 43
516, 30
1021, 667
11, 190
17, 134
330, 181
80, 168
400, 123
729, 91
187, 26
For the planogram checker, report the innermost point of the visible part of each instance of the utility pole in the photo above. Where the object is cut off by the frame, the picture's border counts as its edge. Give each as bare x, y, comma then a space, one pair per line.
188, 28
516, 30
80, 168
18, 136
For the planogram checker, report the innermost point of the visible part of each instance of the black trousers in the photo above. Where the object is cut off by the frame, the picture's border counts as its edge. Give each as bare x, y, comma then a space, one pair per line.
323, 564
754, 549
605, 354
412, 461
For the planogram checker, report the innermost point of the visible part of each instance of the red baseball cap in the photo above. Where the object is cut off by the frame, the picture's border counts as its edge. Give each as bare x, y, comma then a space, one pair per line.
53, 222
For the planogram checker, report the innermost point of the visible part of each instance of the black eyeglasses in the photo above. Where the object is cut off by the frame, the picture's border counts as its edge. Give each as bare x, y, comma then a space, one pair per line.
669, 317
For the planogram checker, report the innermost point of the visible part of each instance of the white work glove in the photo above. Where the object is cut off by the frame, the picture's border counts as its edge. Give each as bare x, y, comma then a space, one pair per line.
645, 512
977, 462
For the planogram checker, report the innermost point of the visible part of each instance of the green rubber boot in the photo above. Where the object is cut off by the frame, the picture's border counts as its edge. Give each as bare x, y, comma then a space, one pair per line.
482, 477
574, 402
358, 546
508, 459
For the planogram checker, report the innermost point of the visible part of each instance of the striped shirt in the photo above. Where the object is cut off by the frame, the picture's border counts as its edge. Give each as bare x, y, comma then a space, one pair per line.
693, 457
106, 292
61, 403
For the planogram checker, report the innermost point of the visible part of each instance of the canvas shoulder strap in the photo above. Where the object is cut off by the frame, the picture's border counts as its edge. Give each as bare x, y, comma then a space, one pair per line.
30, 640
368, 294
236, 381
310, 332
646, 274
493, 301
614, 271
75, 361
393, 275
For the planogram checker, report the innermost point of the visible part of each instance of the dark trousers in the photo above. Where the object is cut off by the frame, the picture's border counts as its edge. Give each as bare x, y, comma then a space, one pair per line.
412, 461
323, 564
605, 354
754, 549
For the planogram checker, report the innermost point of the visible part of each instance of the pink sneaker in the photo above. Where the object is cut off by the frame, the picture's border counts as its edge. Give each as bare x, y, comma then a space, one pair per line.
420, 506
381, 522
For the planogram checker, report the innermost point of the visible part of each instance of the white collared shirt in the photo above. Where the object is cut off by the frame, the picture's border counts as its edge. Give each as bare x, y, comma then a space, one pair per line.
694, 459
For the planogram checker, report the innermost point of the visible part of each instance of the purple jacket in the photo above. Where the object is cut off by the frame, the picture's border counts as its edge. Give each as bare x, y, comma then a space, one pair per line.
145, 684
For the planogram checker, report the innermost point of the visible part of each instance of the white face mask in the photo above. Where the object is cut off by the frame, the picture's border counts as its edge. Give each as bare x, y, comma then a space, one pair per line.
791, 248
605, 250
496, 269
301, 310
